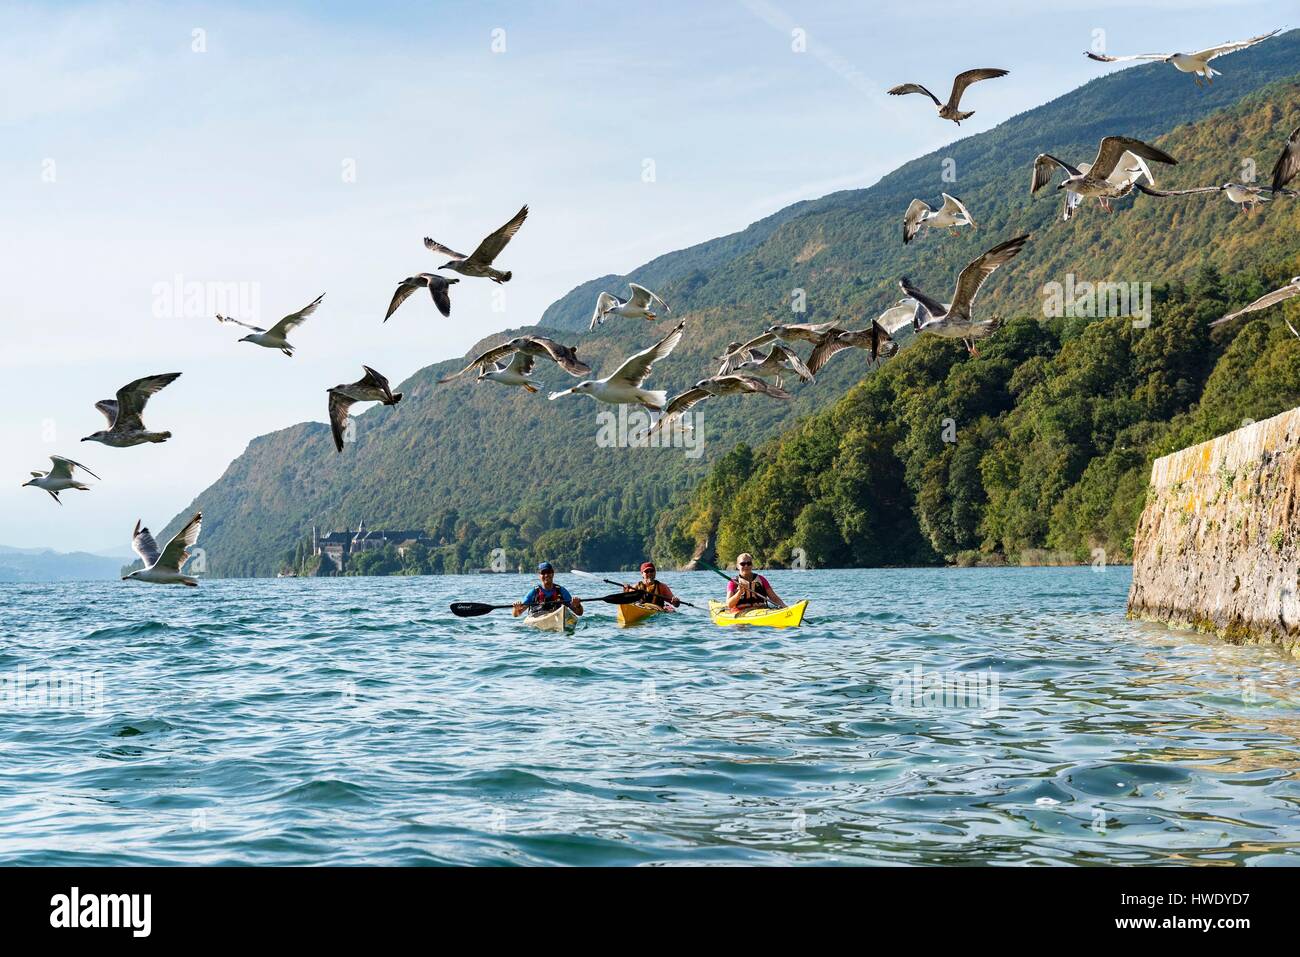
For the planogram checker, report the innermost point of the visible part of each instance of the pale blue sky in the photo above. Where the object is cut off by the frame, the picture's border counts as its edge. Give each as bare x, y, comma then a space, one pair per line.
227, 166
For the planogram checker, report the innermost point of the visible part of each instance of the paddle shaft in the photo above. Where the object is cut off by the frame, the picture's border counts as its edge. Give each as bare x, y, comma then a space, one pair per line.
610, 581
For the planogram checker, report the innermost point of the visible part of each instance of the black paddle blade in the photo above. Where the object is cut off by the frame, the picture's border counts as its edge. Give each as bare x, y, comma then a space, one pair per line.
622, 598
471, 609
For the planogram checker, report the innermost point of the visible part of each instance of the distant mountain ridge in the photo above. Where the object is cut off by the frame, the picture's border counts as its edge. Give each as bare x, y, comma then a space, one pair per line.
492, 467
30, 565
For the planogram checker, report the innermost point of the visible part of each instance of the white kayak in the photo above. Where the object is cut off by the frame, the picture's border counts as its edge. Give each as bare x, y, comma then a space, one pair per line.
559, 619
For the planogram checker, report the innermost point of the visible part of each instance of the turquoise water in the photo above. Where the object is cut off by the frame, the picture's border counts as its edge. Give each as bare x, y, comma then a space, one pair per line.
355, 721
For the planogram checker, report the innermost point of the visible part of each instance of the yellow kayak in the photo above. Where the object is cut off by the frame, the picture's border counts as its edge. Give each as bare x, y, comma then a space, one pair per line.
631, 614
789, 617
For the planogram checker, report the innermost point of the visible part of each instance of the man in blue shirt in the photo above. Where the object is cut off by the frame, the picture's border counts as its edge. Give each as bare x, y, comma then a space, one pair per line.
547, 592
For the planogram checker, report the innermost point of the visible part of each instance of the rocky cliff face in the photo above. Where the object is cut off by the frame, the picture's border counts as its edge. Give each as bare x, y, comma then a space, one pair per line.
1216, 547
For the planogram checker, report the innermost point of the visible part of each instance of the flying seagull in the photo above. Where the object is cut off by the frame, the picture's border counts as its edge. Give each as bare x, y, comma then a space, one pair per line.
1288, 291
1095, 179
164, 568
538, 347
439, 288
949, 111
1247, 197
515, 372
954, 320
779, 360
638, 307
920, 213
802, 331
732, 356
718, 385
1197, 64
479, 262
59, 478
277, 337
624, 385
877, 339
125, 426
371, 387
1129, 171
1288, 164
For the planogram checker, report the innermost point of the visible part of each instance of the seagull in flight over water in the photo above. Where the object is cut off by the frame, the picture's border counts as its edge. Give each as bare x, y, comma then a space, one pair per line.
954, 321
164, 568
125, 426
372, 387
59, 478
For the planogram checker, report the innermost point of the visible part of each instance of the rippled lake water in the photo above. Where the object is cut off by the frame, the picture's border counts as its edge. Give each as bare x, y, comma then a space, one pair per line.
1001, 716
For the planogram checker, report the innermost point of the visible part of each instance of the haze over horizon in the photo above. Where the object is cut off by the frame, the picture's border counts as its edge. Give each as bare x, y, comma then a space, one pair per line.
299, 151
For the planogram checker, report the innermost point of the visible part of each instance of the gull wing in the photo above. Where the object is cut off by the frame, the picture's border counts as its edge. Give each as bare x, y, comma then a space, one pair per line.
483, 358
642, 297
679, 404
789, 355
951, 204
931, 306
636, 369
295, 319
1104, 58
1112, 148
1130, 169
1043, 164
1143, 188
436, 247
916, 211
604, 303
376, 380
440, 290
566, 357
1288, 164
109, 408
1223, 48
974, 275
904, 88
491, 247
897, 316
177, 550
63, 467
236, 322
757, 342
832, 343
521, 363
1263, 302
403, 293
338, 410
963, 80
142, 544
131, 398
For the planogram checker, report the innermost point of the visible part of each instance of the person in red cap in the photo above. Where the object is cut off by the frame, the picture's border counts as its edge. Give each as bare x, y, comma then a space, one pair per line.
652, 591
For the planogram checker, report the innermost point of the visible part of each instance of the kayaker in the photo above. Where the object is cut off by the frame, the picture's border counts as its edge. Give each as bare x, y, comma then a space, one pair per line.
750, 590
547, 593
652, 591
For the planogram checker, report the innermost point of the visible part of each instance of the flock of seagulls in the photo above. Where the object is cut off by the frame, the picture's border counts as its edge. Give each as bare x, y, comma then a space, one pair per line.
1119, 169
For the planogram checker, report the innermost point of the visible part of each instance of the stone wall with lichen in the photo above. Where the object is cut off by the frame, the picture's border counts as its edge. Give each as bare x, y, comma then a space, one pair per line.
1216, 547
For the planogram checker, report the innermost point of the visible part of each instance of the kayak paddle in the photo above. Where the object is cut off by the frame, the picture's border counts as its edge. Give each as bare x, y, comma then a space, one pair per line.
609, 581
473, 609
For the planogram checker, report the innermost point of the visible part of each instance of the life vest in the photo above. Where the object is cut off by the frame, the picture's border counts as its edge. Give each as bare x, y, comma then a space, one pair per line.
656, 592
543, 597
752, 602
